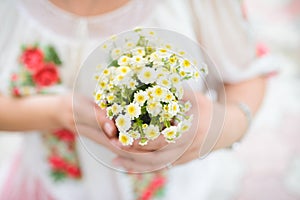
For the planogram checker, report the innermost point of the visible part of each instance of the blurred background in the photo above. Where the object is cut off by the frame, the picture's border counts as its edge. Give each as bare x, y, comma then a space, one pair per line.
269, 156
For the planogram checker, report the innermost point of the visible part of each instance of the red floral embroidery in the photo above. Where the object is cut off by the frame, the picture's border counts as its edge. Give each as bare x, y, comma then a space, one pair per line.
57, 162
38, 70
46, 75
32, 58
73, 171
149, 186
65, 135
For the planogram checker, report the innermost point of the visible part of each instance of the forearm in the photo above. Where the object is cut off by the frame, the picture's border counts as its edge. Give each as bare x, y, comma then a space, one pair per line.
235, 125
28, 113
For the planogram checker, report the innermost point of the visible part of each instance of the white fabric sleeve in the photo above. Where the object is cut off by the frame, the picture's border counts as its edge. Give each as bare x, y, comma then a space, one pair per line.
226, 36
8, 19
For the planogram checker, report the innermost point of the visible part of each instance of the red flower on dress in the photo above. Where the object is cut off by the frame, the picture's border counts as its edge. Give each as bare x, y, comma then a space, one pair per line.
65, 135
57, 162
47, 75
147, 195
73, 171
16, 92
158, 182
32, 58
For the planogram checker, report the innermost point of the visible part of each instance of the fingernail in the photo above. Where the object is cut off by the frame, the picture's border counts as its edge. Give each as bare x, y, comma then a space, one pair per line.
108, 129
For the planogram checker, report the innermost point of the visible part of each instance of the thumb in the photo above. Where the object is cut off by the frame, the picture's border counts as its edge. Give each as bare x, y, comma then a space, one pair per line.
107, 125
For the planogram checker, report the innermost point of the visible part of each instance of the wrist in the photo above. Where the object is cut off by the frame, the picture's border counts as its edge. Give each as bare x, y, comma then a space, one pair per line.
234, 128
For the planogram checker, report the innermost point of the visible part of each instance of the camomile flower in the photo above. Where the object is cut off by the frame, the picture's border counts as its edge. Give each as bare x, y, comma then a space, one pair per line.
204, 69
116, 53
125, 139
150, 49
184, 126
102, 104
151, 132
164, 81
165, 116
116, 109
137, 61
156, 59
143, 142
181, 53
138, 51
134, 134
147, 75
169, 97
98, 97
133, 110
123, 122
162, 72
102, 84
96, 77
154, 107
144, 126
123, 70
129, 45
187, 106
140, 97
109, 113
186, 63
162, 52
132, 84
123, 60
120, 79
106, 47
168, 46
113, 37
173, 108
151, 33
106, 72
179, 91
175, 79
110, 98
196, 75
170, 133
158, 92
173, 60
182, 73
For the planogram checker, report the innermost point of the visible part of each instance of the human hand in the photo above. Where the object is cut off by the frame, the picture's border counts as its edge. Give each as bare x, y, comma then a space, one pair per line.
80, 115
158, 154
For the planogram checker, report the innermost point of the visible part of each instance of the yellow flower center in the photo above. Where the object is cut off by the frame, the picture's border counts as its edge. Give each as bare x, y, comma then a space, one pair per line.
169, 97
106, 72
98, 97
158, 92
147, 74
165, 82
124, 139
186, 63
170, 133
175, 80
131, 109
121, 122
140, 98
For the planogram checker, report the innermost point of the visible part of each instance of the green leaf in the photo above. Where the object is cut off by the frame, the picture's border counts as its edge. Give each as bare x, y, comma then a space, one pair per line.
58, 175
51, 55
28, 81
114, 63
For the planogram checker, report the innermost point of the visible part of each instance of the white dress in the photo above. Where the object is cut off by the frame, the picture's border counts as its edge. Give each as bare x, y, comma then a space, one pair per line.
218, 25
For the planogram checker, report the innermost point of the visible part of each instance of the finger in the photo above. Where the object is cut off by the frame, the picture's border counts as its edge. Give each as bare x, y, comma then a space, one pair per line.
130, 165
88, 113
153, 145
107, 125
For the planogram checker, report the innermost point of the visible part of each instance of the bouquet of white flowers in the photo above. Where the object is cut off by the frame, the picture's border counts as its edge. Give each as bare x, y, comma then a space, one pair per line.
141, 88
